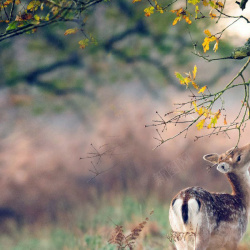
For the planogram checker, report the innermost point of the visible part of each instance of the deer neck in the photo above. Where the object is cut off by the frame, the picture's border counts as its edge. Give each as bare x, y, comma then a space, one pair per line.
240, 184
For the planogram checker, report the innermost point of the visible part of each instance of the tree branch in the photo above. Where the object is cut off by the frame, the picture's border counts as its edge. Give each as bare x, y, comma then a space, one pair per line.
32, 78
200, 109
238, 53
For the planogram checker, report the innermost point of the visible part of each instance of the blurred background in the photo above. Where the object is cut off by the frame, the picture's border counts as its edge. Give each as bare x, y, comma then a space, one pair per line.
75, 156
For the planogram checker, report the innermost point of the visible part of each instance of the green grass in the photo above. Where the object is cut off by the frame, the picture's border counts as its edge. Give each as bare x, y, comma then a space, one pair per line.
91, 227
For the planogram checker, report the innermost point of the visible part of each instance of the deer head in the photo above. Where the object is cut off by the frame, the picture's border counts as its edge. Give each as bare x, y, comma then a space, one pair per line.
235, 160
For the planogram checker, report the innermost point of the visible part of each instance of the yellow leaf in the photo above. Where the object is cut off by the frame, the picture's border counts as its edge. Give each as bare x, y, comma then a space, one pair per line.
208, 33
212, 15
195, 85
187, 19
17, 2
6, 3
158, 7
173, 11
209, 126
194, 72
134, 1
220, 4
225, 120
202, 89
180, 11
217, 114
195, 106
187, 80
205, 3
71, 31
36, 17
194, 2
206, 112
148, 11
176, 20
200, 111
33, 5
55, 10
200, 125
196, 11
212, 38
205, 44
207, 40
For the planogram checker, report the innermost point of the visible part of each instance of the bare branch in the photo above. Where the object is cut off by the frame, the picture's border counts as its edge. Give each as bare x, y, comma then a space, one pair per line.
98, 154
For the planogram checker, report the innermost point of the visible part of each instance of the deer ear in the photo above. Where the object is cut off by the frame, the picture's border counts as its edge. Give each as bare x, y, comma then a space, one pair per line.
212, 158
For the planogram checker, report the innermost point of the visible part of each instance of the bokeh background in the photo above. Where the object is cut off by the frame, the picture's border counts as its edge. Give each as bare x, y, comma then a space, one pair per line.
59, 103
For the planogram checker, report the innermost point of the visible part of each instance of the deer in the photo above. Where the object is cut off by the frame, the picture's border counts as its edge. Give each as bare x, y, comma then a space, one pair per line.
216, 220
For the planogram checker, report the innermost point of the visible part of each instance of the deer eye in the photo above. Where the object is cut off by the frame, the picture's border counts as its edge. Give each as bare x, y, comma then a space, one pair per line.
238, 158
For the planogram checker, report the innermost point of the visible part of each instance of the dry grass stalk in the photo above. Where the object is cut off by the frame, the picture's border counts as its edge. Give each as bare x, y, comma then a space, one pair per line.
178, 236
117, 237
122, 241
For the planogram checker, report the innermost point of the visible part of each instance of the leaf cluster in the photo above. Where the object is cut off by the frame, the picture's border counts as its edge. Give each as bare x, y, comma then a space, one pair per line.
20, 16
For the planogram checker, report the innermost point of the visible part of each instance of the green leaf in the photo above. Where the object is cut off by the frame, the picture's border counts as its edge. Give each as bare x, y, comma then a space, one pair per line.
180, 77
12, 26
93, 40
36, 17
214, 121
213, 4
83, 43
47, 17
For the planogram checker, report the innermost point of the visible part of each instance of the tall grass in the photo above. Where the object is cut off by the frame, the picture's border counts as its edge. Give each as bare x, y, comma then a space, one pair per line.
91, 228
